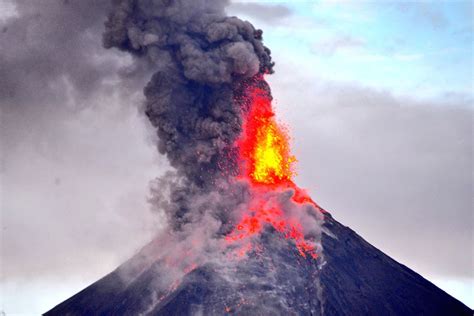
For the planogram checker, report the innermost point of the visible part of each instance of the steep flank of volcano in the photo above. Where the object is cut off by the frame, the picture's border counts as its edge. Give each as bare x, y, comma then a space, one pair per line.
351, 277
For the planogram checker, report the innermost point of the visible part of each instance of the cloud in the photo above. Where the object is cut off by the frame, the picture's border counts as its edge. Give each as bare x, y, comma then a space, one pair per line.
340, 42
358, 49
424, 12
408, 57
267, 12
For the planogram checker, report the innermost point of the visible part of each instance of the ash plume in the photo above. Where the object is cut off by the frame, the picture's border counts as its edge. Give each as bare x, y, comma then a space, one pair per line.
202, 61
200, 57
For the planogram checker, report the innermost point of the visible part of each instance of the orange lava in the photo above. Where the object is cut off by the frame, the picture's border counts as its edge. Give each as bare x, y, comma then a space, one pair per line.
267, 164
263, 214
264, 145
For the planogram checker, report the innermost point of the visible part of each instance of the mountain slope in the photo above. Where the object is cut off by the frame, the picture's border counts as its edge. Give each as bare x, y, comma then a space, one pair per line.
351, 278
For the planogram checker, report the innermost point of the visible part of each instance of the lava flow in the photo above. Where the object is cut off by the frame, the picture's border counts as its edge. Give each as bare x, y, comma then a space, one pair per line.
267, 164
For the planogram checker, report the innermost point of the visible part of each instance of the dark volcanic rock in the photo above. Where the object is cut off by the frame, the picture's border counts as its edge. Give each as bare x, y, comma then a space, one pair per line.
351, 278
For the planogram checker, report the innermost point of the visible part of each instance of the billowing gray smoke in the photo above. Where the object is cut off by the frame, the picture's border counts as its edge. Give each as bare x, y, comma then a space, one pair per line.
201, 57
202, 63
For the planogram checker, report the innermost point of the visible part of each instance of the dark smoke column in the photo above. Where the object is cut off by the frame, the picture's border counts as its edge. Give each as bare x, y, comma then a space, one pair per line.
202, 60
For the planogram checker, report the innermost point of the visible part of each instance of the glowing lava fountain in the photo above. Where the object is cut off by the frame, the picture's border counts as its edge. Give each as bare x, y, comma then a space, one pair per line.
266, 162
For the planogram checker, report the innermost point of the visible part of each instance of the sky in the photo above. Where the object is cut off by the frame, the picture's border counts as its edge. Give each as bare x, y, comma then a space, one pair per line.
377, 96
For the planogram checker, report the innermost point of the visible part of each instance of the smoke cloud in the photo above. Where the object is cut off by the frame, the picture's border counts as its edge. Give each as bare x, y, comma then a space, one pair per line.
201, 59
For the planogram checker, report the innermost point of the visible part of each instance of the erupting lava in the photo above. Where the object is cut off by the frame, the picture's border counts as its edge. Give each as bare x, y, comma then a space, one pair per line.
267, 164
264, 146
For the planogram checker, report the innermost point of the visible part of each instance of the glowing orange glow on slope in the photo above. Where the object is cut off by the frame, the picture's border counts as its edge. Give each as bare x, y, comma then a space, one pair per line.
261, 215
266, 162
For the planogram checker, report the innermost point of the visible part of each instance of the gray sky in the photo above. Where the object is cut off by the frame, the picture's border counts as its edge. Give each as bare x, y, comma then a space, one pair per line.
77, 155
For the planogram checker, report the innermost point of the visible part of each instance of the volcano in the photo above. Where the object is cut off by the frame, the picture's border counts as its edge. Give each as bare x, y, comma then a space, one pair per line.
240, 236
351, 277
